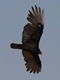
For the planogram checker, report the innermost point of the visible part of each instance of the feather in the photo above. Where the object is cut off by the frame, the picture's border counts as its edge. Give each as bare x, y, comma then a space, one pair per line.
36, 10
33, 10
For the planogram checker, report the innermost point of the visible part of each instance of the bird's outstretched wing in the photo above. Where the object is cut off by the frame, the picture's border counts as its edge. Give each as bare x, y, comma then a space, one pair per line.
31, 57
33, 63
33, 30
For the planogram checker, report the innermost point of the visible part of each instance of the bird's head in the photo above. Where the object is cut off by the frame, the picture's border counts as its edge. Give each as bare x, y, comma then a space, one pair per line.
40, 52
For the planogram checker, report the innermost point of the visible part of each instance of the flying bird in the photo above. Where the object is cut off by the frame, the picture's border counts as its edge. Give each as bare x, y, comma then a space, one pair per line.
31, 36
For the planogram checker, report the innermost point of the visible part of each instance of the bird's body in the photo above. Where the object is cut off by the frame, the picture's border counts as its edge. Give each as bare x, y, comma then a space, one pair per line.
30, 40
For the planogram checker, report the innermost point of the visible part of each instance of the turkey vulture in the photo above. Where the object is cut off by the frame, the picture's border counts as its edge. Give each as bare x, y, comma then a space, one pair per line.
30, 40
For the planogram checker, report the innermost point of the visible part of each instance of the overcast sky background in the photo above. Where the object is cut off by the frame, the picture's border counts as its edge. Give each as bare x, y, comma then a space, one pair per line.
13, 15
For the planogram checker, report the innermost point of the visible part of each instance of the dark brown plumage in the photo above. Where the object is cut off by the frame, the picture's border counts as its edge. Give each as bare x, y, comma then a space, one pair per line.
31, 35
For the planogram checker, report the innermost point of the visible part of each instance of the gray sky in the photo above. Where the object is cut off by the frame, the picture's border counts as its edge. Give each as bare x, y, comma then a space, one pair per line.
13, 15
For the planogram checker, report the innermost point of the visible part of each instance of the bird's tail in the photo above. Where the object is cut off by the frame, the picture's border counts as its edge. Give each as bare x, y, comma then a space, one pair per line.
22, 46
16, 46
